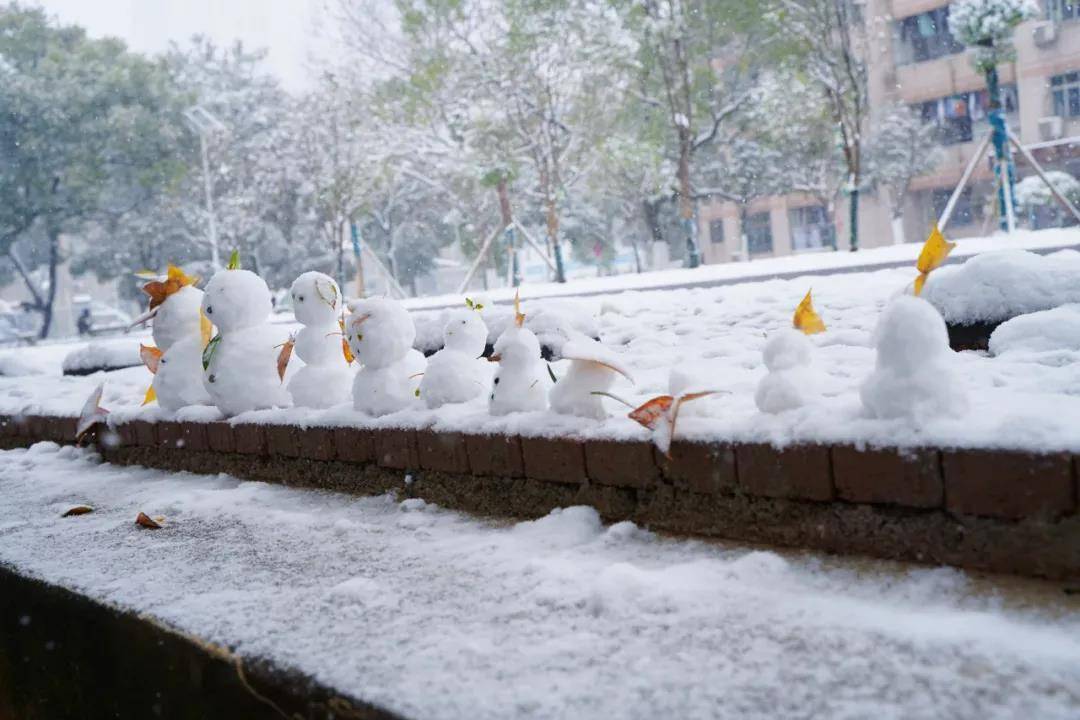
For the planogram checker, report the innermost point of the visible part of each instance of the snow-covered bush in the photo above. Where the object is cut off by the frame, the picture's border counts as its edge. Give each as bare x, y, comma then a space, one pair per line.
987, 26
1047, 331
913, 377
1032, 192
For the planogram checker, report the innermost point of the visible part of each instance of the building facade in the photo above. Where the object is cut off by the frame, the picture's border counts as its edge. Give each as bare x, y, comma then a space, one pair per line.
912, 59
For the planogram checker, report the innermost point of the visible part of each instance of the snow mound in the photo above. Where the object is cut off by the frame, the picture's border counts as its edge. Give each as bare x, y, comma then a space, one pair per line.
102, 356
913, 377
1045, 331
790, 381
12, 365
999, 285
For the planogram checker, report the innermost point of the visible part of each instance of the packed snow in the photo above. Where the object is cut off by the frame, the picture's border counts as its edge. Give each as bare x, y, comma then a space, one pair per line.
1045, 332
101, 355
448, 617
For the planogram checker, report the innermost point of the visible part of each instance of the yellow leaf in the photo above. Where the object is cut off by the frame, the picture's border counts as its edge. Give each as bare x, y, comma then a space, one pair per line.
519, 317
934, 251
920, 280
234, 261
345, 349
78, 510
151, 395
206, 328
806, 318
160, 290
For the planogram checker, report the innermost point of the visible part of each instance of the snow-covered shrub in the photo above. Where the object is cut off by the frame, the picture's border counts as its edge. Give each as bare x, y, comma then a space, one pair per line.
996, 286
913, 377
987, 26
1045, 331
1032, 192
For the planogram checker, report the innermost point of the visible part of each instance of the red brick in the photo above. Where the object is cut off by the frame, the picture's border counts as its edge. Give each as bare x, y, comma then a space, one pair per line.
282, 441
145, 433
37, 427
442, 451
354, 444
316, 443
495, 455
699, 467
554, 459
621, 464
396, 448
250, 439
1004, 484
908, 477
170, 435
64, 429
798, 472
220, 437
194, 436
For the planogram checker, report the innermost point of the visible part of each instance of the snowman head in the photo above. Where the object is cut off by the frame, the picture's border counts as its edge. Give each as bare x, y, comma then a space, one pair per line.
316, 299
465, 332
236, 299
178, 317
380, 331
517, 347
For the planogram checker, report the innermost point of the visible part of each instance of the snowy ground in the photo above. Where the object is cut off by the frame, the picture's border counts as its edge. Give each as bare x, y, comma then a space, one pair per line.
710, 338
435, 615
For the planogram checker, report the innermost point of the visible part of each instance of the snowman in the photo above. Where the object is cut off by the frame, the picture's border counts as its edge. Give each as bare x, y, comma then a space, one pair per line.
240, 364
380, 334
180, 331
790, 382
593, 369
458, 373
321, 382
521, 381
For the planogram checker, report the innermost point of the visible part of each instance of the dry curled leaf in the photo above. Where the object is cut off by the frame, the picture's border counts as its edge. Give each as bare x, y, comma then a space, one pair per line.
148, 522
92, 414
151, 357
806, 318
160, 290
284, 356
78, 510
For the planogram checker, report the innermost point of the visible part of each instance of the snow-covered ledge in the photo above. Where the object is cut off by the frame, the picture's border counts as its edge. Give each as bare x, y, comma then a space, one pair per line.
991, 509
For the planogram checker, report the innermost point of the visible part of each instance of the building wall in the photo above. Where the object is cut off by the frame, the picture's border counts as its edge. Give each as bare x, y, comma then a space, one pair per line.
915, 83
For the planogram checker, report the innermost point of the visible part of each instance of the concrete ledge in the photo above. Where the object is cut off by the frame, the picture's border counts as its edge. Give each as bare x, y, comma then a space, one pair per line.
988, 509
63, 655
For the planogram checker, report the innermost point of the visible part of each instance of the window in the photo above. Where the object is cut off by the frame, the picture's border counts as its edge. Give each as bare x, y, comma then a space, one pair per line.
811, 229
963, 213
923, 37
956, 115
758, 233
1065, 94
716, 232
1061, 10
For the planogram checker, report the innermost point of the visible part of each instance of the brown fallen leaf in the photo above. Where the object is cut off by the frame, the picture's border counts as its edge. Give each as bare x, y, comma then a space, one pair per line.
78, 510
148, 522
284, 356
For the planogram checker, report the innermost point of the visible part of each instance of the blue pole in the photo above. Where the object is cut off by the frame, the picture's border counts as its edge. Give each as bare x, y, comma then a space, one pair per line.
1004, 171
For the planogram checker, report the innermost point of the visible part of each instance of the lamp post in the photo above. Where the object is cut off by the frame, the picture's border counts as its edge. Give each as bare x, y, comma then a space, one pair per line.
204, 124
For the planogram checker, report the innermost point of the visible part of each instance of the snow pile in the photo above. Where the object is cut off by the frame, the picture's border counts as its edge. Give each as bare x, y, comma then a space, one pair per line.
521, 382
790, 383
1046, 331
240, 363
458, 373
594, 368
914, 377
102, 355
560, 617
997, 286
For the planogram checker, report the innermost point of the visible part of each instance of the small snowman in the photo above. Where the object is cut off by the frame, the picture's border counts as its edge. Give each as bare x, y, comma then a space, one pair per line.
914, 376
593, 370
180, 331
457, 373
240, 369
790, 381
322, 381
380, 334
521, 381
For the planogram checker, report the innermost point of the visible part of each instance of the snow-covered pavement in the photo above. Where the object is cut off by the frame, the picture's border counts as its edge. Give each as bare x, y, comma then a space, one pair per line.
436, 615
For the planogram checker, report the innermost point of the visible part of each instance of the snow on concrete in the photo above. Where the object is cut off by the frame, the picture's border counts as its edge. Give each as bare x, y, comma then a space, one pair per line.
1000, 285
109, 354
437, 616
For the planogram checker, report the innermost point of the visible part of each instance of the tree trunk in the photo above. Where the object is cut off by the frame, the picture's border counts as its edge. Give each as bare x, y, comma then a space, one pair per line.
50, 298
854, 216
651, 213
686, 203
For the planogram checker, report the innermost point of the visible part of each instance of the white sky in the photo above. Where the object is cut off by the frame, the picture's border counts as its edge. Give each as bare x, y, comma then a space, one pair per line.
287, 28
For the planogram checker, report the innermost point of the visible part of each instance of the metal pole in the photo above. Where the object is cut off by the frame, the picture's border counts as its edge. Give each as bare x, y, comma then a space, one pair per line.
536, 246
980, 151
999, 132
215, 259
1038, 168
479, 259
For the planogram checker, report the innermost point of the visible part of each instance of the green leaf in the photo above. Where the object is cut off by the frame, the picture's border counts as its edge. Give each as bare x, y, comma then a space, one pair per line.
208, 351
234, 261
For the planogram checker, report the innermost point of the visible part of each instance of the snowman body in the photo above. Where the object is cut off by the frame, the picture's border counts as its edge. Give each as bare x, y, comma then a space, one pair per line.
380, 333
521, 381
457, 373
324, 379
240, 371
790, 381
573, 393
177, 333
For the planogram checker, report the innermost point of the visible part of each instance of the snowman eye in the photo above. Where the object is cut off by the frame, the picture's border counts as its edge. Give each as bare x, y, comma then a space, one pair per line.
209, 309
300, 299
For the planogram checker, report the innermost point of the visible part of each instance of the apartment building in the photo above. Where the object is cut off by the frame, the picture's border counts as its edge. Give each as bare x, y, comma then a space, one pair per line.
913, 59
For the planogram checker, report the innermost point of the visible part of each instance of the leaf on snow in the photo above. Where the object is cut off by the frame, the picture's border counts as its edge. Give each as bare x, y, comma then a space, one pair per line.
806, 318
78, 510
147, 522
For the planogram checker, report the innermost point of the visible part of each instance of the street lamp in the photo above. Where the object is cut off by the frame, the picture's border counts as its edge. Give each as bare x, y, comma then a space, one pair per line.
204, 123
